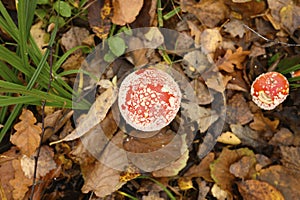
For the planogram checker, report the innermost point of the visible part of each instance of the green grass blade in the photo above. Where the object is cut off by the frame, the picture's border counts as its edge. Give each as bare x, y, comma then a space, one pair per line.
7, 74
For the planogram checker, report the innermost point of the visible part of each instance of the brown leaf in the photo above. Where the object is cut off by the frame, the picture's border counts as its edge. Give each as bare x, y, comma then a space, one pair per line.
246, 8
202, 169
102, 180
282, 178
20, 182
173, 168
290, 157
256, 190
282, 137
262, 123
74, 37
125, 11
45, 163
209, 12
95, 115
231, 60
73, 62
27, 137
7, 171
202, 93
235, 28
238, 111
220, 168
211, 39
244, 167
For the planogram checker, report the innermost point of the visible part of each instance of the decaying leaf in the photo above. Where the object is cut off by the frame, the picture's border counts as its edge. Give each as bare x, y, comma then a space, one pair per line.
210, 40
205, 117
254, 189
290, 157
235, 28
27, 137
202, 169
220, 168
243, 168
74, 37
20, 182
247, 135
95, 115
7, 172
45, 163
195, 62
283, 179
282, 137
238, 111
73, 62
209, 12
173, 168
153, 195
185, 183
202, 93
232, 60
262, 123
125, 11
102, 180
40, 36
219, 193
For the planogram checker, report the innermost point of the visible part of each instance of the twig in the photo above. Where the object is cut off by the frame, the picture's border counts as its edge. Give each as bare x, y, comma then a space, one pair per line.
271, 41
36, 158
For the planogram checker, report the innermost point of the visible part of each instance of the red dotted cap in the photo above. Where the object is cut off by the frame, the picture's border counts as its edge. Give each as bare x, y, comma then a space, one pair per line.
149, 99
269, 90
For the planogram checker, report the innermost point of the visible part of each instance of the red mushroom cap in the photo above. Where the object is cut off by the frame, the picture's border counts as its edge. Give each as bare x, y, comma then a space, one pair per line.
149, 99
269, 90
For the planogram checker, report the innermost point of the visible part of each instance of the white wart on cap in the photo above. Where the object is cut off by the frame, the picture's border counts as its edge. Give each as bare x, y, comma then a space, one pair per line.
149, 99
269, 90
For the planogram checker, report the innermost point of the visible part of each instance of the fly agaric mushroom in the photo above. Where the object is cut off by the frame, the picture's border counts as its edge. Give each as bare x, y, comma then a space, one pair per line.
269, 90
149, 99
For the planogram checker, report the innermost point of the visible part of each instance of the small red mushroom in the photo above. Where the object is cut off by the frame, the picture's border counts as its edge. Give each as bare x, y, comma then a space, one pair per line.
269, 90
149, 99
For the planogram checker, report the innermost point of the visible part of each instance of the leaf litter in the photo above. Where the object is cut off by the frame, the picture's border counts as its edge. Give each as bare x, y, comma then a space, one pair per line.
223, 29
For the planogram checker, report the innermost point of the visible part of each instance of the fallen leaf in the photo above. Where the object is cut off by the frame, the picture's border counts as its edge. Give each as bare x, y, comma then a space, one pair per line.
254, 190
173, 168
205, 117
74, 37
217, 82
138, 54
246, 9
99, 14
202, 169
262, 123
20, 182
45, 163
282, 137
210, 40
152, 195
290, 157
219, 193
203, 189
95, 115
220, 168
194, 32
102, 180
247, 135
238, 111
185, 183
243, 168
153, 38
125, 11
40, 36
208, 12
202, 93
73, 62
229, 138
232, 60
283, 179
235, 28
196, 62
7, 171
27, 137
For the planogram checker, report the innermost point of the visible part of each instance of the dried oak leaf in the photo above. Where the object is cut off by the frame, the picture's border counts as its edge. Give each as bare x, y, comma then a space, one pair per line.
254, 189
102, 180
220, 168
45, 163
262, 123
238, 111
202, 169
282, 178
125, 11
27, 137
231, 60
290, 157
208, 12
20, 182
7, 172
